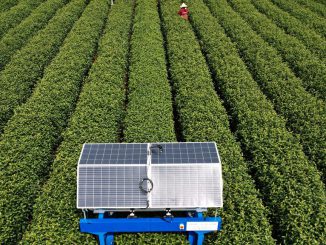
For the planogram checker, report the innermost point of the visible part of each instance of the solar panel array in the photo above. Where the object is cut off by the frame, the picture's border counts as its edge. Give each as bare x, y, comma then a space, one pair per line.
184, 175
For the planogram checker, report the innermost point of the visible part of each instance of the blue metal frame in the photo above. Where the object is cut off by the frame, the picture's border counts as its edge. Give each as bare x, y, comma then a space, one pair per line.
105, 228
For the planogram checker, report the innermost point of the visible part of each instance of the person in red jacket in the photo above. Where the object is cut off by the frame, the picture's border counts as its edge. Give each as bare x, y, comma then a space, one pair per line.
183, 12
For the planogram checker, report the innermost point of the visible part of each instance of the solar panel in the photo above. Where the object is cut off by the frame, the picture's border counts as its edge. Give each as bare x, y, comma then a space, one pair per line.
114, 154
149, 176
184, 153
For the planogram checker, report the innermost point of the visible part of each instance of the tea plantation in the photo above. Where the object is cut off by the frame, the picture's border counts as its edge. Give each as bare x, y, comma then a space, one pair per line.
247, 74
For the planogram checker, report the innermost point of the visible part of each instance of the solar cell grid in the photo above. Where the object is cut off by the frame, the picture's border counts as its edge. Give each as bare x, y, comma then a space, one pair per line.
184, 175
110, 186
185, 153
114, 154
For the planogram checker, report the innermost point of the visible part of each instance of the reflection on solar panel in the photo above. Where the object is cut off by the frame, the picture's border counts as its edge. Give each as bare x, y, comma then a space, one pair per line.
152, 176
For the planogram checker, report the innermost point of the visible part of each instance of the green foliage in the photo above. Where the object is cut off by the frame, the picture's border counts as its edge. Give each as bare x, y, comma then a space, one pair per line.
291, 187
314, 6
321, 1
18, 36
314, 42
308, 18
309, 68
203, 118
149, 115
5, 5
34, 131
97, 118
304, 113
26, 66
16, 14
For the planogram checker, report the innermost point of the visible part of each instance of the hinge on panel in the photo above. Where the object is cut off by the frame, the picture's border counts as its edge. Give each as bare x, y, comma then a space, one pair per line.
160, 147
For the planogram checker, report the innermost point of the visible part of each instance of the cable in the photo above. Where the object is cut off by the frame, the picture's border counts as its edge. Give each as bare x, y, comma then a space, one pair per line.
141, 185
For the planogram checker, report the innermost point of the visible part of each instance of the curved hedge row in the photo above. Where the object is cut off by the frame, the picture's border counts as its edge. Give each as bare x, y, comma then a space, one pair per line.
203, 118
18, 36
7, 4
26, 66
32, 134
307, 17
304, 113
291, 187
314, 42
97, 118
303, 63
16, 14
314, 6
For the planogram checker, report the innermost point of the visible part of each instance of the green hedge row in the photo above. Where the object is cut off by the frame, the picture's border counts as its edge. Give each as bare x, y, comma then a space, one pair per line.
26, 66
308, 67
314, 6
18, 36
321, 1
149, 115
16, 14
290, 185
314, 42
31, 136
97, 118
304, 113
307, 17
5, 5
203, 118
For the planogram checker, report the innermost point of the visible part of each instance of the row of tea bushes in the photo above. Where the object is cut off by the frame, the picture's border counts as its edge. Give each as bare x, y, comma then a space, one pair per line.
149, 116
203, 118
314, 42
304, 64
304, 113
97, 118
16, 14
290, 185
307, 17
314, 6
31, 136
18, 36
5, 5
27, 65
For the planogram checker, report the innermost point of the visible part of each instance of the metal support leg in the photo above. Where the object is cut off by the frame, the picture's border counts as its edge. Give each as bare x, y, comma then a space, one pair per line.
196, 238
200, 238
101, 238
109, 238
105, 238
192, 238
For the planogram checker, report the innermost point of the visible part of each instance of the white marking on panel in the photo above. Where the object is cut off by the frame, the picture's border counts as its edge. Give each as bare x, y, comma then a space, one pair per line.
202, 226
